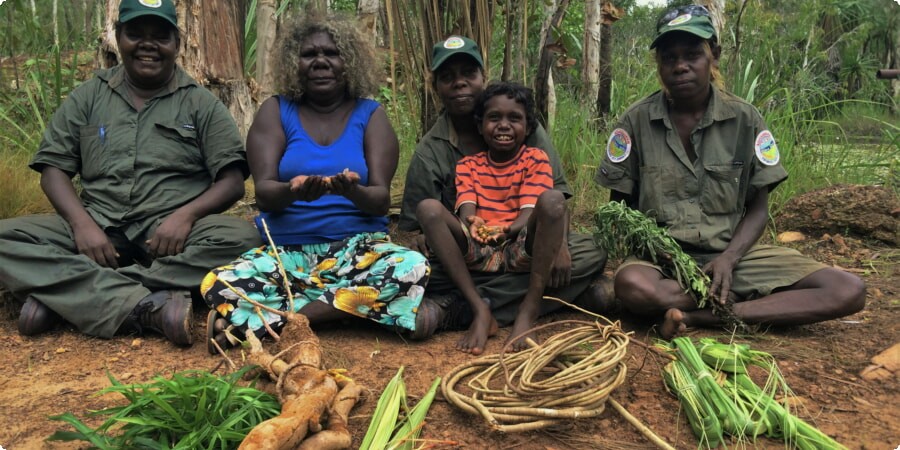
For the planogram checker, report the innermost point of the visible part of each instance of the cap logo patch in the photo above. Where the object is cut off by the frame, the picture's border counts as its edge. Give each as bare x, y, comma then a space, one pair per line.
679, 20
454, 43
151, 3
618, 147
766, 148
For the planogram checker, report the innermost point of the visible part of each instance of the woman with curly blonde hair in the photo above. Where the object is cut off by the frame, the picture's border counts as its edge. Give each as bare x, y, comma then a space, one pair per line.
322, 158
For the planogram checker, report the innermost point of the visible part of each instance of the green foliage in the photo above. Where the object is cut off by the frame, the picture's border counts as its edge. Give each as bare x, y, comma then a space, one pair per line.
395, 426
192, 410
623, 231
718, 395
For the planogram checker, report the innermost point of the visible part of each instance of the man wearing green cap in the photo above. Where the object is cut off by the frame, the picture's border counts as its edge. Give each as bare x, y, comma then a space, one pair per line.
458, 79
702, 163
158, 156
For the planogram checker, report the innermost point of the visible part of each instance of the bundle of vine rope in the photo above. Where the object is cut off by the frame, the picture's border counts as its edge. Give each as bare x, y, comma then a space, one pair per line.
569, 376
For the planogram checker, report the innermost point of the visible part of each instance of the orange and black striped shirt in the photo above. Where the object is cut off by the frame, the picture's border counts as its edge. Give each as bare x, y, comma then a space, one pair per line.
499, 191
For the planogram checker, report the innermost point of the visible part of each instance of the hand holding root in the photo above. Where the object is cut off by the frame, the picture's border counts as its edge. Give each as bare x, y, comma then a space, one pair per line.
342, 183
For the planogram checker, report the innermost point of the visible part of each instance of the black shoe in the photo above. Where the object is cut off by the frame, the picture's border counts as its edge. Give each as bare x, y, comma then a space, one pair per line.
167, 312
36, 318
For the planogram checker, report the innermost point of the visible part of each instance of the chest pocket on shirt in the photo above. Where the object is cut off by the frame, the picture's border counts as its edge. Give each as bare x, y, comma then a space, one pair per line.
93, 147
179, 145
658, 191
721, 186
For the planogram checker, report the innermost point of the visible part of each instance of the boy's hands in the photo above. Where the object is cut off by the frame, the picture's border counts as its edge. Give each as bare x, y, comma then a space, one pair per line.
485, 234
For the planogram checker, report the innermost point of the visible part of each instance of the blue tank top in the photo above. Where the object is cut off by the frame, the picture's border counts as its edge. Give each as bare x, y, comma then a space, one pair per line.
331, 217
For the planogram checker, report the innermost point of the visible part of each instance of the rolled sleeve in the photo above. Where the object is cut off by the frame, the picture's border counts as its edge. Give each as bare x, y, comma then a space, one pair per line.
61, 143
221, 141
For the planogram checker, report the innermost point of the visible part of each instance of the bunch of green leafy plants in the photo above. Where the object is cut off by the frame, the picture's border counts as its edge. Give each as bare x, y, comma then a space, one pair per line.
712, 381
192, 410
623, 231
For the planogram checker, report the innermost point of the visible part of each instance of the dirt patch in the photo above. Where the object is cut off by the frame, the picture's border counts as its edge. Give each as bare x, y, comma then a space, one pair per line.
60, 372
862, 211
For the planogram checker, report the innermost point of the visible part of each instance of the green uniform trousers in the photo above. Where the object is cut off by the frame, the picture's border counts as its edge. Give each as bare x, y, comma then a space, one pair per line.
506, 290
38, 259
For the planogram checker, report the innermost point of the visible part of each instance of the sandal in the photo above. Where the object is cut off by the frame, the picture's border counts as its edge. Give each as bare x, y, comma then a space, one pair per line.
219, 330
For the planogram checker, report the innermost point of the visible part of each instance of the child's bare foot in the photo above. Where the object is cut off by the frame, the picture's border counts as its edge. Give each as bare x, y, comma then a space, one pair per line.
475, 338
673, 324
524, 321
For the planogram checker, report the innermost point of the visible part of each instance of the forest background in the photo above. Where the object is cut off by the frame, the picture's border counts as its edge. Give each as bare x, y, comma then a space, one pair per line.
808, 65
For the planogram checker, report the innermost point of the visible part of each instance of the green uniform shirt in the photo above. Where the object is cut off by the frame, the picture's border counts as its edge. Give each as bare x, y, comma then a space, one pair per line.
138, 167
432, 170
701, 203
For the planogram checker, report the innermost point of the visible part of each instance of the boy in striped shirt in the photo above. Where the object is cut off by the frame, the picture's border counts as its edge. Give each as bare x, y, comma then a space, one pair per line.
508, 216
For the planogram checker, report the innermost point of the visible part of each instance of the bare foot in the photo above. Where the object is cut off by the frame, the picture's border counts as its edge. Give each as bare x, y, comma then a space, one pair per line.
524, 322
475, 338
673, 324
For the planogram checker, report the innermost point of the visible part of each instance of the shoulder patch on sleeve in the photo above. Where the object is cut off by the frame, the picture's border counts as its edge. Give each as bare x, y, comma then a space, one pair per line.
618, 147
766, 148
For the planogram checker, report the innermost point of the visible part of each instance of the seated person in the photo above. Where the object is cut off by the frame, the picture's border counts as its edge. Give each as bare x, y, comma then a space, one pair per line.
508, 216
322, 157
157, 155
702, 162
458, 79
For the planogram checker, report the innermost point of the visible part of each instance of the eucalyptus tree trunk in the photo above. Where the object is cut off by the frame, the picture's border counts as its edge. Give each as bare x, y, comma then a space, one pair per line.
590, 57
609, 14
55, 24
521, 60
508, 42
367, 11
266, 31
211, 49
544, 94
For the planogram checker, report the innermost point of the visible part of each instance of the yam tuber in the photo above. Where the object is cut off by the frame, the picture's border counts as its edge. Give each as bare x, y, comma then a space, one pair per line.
308, 393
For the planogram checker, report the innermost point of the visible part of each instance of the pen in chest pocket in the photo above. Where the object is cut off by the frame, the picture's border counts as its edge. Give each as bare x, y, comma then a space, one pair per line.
102, 134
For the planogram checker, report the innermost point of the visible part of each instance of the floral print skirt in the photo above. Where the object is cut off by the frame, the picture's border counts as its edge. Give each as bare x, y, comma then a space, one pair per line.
364, 275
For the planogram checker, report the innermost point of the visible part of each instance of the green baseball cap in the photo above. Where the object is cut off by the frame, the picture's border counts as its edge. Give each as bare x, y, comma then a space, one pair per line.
132, 9
454, 45
692, 19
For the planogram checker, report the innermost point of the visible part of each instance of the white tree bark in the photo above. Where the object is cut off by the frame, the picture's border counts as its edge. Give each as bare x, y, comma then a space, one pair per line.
590, 57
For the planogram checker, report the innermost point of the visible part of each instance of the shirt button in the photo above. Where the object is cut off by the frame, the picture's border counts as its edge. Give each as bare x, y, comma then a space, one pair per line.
691, 200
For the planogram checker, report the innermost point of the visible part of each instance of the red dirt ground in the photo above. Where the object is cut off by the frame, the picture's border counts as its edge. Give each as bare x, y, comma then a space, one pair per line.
59, 371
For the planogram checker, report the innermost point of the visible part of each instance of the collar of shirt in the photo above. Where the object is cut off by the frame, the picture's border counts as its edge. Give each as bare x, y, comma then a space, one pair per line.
443, 129
718, 109
115, 77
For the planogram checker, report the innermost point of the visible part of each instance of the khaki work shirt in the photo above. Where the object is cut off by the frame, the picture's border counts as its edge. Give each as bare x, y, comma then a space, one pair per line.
138, 167
701, 203
432, 169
